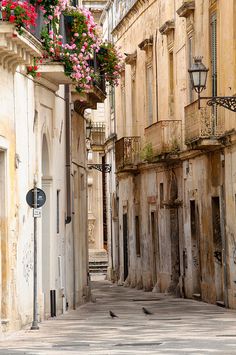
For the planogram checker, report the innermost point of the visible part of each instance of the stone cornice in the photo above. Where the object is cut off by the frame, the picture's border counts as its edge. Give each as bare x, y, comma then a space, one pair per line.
167, 27
131, 58
186, 8
146, 44
131, 16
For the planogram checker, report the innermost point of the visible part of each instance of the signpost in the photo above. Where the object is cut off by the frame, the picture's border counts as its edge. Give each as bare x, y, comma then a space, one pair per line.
35, 198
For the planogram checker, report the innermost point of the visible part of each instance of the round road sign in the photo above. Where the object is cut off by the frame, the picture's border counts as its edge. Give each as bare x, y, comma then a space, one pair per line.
41, 198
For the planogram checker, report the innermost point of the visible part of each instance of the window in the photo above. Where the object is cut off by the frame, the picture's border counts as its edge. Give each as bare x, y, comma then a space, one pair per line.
137, 236
149, 78
58, 211
171, 84
213, 39
39, 23
133, 93
161, 194
190, 62
123, 102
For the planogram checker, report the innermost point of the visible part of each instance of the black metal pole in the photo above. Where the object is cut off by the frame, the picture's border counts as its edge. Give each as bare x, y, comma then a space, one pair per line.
34, 325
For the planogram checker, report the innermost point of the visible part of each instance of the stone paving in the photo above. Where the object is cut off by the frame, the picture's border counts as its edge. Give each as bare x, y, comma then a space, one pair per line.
176, 326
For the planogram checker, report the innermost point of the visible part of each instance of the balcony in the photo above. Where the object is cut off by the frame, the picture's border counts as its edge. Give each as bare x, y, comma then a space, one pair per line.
203, 127
54, 72
16, 49
165, 136
127, 151
98, 134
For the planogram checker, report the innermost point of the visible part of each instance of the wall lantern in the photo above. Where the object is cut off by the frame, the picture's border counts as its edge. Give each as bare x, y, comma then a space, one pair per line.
198, 76
104, 168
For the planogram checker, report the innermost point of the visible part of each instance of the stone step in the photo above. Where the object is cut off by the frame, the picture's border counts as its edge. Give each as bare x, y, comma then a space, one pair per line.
102, 267
98, 271
197, 296
98, 263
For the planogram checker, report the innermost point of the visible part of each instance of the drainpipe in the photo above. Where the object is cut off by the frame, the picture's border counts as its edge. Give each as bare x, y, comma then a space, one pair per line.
156, 77
68, 154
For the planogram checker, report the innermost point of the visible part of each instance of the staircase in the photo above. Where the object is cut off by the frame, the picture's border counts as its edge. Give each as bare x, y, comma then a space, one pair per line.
98, 262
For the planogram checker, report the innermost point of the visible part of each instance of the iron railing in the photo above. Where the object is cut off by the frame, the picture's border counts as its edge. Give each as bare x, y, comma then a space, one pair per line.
98, 133
127, 150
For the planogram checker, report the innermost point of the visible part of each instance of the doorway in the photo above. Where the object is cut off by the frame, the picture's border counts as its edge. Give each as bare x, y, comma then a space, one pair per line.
195, 243
125, 246
217, 247
155, 249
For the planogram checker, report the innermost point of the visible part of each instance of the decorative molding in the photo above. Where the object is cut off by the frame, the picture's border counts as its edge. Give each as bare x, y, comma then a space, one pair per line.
16, 49
139, 7
186, 9
88, 99
167, 27
146, 44
131, 58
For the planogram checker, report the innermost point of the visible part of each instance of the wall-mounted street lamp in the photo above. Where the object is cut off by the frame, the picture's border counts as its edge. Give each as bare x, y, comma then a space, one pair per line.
104, 168
198, 76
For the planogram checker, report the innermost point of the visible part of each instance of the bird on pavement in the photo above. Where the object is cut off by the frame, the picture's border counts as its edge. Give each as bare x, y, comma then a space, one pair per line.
146, 311
113, 315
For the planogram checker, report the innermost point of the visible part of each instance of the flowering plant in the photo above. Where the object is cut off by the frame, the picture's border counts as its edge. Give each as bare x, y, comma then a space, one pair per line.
111, 62
32, 69
22, 14
51, 8
77, 53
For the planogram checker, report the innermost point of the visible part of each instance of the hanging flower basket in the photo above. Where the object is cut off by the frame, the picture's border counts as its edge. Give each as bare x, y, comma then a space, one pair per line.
51, 8
111, 62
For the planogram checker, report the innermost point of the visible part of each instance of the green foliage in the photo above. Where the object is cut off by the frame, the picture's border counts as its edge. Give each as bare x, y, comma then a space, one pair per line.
147, 152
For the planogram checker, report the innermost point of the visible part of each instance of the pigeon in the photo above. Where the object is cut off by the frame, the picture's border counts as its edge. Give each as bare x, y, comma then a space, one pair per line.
145, 311
113, 315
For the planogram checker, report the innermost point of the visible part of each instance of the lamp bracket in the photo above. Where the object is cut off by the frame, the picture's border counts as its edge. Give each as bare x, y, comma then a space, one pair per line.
228, 102
104, 168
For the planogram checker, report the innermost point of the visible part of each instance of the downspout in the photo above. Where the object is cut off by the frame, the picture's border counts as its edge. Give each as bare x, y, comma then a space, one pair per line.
68, 154
156, 75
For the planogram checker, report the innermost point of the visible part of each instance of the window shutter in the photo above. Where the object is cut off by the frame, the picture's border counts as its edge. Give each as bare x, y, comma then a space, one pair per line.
214, 54
149, 95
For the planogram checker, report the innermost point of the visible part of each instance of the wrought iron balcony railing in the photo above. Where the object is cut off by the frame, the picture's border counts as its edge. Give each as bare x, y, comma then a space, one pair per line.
127, 150
98, 133
165, 136
206, 123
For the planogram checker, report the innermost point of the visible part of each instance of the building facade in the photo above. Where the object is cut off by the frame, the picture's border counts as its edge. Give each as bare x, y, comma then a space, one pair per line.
175, 192
42, 143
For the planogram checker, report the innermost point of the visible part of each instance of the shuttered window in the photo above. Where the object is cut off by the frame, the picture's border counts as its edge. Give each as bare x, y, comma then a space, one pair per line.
190, 62
149, 76
214, 53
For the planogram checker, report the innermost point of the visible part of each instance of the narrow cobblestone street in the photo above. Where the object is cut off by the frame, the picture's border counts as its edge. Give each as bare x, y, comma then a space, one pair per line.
176, 326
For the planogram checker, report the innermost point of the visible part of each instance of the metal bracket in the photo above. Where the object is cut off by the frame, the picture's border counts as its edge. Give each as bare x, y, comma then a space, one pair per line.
228, 102
104, 168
